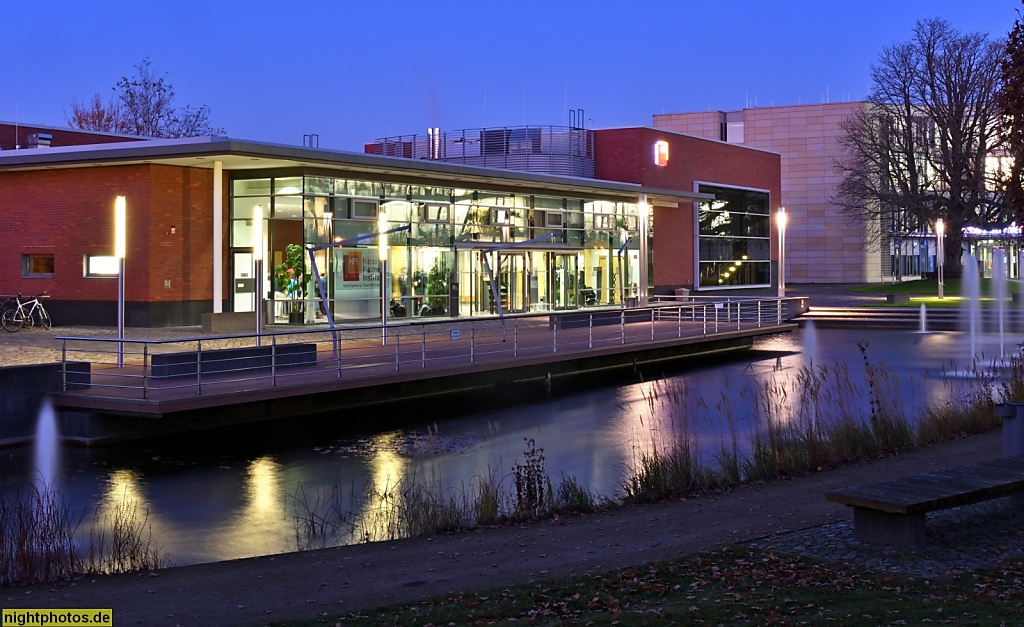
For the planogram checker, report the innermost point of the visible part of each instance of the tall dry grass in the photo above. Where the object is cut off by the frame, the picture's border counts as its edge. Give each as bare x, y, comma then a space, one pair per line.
39, 541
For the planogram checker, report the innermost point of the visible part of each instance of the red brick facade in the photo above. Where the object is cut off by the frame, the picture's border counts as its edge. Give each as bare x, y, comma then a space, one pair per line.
69, 213
628, 155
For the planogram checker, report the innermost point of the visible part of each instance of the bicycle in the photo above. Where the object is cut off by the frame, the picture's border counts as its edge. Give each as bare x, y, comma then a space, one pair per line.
18, 313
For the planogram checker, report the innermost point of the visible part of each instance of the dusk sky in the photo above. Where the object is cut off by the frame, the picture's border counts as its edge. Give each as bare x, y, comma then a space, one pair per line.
352, 72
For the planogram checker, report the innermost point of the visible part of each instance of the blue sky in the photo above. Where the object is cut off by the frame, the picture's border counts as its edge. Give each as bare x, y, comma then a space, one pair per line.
353, 71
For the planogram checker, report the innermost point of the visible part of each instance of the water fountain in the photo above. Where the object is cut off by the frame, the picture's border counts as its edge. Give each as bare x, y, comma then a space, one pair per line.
810, 344
999, 292
971, 291
46, 446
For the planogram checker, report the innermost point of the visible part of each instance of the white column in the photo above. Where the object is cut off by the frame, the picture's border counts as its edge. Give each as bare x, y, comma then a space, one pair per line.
643, 210
218, 236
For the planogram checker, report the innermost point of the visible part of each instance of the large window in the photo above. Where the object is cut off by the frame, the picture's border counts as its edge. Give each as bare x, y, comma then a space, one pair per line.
735, 238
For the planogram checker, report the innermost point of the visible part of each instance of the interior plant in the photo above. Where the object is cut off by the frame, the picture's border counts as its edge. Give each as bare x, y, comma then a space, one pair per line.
437, 287
288, 275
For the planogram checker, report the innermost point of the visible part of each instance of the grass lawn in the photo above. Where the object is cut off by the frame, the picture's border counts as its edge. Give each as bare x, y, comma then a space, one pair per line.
926, 292
733, 586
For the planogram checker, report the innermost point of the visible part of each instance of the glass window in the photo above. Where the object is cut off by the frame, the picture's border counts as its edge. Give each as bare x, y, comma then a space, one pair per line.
288, 207
101, 265
242, 208
251, 187
321, 185
434, 213
37, 266
364, 210
289, 185
734, 238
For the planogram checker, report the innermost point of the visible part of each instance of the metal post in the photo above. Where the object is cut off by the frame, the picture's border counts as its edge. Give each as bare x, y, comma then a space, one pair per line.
64, 365
273, 360
259, 302
423, 351
145, 378
383, 304
398, 340
120, 312
199, 367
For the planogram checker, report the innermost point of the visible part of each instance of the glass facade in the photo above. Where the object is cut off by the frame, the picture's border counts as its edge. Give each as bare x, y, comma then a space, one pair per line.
459, 251
734, 238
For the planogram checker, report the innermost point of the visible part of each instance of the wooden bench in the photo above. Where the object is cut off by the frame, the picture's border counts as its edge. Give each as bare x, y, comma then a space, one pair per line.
893, 512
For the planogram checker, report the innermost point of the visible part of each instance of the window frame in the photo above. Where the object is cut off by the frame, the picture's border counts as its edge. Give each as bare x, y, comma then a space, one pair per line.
27, 265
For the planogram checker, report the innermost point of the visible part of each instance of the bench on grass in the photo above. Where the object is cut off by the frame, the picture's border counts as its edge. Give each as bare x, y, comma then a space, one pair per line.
893, 512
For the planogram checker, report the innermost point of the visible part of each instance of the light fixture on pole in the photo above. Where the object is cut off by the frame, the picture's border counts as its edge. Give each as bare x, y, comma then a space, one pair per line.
940, 250
643, 211
382, 251
120, 219
257, 260
780, 220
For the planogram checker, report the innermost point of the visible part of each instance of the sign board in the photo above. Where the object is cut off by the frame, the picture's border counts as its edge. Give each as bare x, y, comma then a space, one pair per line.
455, 334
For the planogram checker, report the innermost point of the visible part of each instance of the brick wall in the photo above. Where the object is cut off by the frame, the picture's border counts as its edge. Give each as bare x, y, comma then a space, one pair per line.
69, 213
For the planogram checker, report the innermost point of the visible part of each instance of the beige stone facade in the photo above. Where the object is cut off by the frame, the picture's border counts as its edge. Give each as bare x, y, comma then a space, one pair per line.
821, 245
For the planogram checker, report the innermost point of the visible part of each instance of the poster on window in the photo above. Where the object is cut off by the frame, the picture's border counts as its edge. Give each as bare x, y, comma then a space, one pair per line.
359, 269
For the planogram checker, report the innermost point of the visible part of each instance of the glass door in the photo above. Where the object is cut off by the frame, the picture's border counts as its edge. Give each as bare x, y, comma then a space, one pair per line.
562, 278
513, 282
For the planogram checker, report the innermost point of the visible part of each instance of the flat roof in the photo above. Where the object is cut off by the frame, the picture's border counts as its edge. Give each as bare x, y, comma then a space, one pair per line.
240, 155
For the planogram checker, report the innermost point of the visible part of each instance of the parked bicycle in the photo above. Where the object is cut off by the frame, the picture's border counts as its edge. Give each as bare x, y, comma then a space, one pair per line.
19, 312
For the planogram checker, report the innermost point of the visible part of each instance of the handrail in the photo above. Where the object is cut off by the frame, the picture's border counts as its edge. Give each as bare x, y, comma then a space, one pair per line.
211, 363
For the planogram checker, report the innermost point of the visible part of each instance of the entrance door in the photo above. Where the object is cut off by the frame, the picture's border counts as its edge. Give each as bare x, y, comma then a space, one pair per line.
243, 283
562, 277
514, 282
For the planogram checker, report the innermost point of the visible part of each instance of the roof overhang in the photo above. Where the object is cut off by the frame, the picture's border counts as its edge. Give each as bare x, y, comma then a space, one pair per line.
240, 155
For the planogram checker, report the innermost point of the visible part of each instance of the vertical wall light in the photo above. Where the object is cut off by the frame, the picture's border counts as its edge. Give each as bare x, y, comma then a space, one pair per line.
382, 251
780, 219
643, 211
120, 236
257, 259
940, 251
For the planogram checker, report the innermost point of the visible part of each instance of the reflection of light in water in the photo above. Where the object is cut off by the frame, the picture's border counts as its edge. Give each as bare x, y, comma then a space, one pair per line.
387, 470
256, 527
262, 489
123, 487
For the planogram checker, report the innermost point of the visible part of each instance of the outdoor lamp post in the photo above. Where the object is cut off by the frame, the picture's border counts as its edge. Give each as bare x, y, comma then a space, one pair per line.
382, 251
257, 259
643, 210
120, 216
780, 219
940, 250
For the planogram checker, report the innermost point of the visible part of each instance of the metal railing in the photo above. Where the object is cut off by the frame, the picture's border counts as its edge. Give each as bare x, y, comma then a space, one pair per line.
561, 150
162, 369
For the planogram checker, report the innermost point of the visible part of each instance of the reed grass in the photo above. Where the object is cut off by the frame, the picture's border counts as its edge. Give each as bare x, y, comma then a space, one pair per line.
38, 538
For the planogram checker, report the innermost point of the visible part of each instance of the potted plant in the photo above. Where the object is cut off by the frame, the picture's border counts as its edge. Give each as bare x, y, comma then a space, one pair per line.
288, 279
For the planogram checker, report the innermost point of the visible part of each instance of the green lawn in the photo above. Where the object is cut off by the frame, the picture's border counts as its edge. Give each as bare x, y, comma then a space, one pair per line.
732, 586
926, 292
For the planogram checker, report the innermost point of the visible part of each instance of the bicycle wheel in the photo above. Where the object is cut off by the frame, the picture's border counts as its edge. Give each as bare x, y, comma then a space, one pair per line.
12, 320
44, 318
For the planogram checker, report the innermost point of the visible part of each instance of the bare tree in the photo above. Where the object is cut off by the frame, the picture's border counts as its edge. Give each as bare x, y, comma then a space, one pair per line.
143, 105
918, 149
1011, 120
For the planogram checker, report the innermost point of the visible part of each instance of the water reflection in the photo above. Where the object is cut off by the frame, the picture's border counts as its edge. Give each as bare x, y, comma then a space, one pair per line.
234, 498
